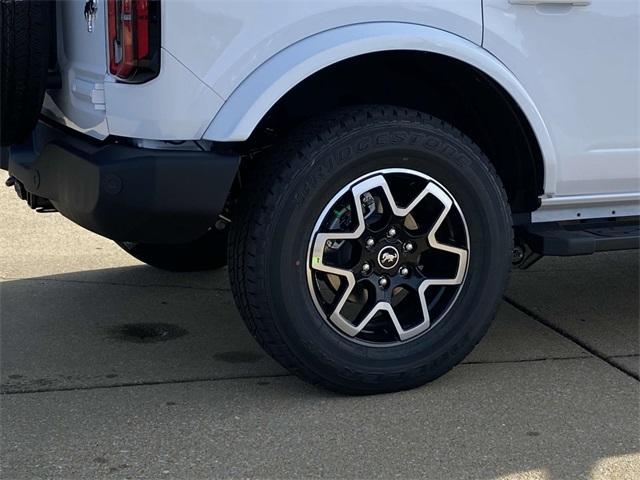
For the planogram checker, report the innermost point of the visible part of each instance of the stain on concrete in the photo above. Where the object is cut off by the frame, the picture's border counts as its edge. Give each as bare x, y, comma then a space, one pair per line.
146, 332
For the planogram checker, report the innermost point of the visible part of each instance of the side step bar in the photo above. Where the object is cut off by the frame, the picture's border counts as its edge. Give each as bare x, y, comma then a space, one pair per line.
580, 238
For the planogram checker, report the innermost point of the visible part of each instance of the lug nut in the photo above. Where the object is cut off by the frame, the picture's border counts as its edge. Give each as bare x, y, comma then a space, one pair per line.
383, 282
370, 242
404, 271
392, 232
409, 247
366, 268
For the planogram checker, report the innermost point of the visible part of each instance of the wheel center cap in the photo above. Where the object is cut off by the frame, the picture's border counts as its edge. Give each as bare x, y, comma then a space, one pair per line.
388, 257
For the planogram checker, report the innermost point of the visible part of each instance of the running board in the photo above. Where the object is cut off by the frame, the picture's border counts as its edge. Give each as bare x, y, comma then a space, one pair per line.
580, 238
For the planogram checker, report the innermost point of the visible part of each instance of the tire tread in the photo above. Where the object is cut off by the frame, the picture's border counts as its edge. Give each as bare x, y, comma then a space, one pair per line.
25, 37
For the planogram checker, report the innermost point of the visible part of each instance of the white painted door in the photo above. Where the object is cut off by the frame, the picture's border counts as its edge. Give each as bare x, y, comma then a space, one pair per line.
580, 63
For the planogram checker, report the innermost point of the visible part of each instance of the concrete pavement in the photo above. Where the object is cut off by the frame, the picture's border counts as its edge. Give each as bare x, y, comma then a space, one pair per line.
111, 369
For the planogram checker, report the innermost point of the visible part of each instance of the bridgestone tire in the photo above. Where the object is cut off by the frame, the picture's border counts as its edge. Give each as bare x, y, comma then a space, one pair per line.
275, 218
25, 50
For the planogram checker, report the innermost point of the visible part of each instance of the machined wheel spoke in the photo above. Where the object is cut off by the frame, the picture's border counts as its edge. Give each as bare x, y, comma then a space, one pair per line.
462, 254
336, 316
317, 259
317, 263
413, 331
402, 333
320, 242
447, 202
400, 211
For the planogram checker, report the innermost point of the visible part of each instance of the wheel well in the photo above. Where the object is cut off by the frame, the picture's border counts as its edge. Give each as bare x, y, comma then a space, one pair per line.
442, 86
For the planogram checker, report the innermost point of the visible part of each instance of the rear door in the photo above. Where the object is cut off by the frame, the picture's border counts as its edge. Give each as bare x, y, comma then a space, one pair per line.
82, 56
579, 61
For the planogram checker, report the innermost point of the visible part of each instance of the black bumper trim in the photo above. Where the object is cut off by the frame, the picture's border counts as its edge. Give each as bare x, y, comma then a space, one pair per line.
122, 192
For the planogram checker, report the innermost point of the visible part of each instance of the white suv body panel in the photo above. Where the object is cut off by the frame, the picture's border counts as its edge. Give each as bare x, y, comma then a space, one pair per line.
83, 65
176, 105
581, 66
228, 40
572, 70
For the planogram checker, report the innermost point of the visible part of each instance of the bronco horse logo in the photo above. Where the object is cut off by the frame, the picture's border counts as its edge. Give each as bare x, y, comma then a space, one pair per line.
388, 257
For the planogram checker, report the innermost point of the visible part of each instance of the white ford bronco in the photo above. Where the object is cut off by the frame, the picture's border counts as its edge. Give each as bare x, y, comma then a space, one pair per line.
370, 171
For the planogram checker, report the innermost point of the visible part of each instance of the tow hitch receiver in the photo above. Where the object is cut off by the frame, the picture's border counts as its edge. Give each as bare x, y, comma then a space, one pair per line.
37, 203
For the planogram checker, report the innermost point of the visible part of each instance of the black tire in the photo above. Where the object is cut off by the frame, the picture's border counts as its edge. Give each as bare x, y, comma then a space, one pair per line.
269, 238
26, 47
207, 253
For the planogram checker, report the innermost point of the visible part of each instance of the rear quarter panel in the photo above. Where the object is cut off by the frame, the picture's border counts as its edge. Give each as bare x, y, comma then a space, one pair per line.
222, 42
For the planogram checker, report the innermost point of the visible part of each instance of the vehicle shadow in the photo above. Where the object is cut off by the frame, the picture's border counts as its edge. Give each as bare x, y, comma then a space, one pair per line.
568, 415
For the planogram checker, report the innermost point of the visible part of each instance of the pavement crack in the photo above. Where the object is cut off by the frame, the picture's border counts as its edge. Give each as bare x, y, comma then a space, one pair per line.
142, 384
121, 284
6, 389
525, 360
569, 336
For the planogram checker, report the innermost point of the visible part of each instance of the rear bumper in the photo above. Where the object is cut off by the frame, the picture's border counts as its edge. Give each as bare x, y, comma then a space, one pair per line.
122, 192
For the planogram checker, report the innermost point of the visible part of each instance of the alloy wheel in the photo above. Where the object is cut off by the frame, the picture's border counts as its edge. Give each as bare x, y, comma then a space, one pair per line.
388, 257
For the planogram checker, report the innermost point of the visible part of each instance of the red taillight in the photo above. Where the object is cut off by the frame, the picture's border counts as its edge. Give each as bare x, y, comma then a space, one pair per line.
134, 39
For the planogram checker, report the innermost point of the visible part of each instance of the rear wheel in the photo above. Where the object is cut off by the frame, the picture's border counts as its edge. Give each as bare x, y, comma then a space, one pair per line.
206, 253
373, 250
25, 48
